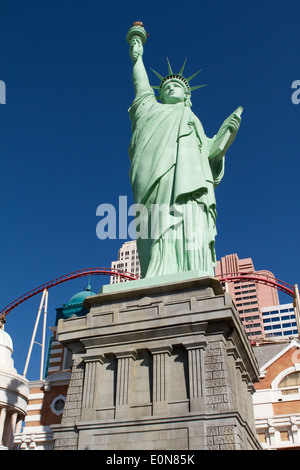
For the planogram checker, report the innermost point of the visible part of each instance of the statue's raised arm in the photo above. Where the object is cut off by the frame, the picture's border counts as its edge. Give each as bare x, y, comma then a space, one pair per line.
137, 37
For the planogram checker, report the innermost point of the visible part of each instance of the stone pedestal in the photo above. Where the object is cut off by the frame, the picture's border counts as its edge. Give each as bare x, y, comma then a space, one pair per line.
161, 367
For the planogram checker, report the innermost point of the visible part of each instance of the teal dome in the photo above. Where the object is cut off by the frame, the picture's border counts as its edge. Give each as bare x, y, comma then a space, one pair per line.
75, 305
79, 298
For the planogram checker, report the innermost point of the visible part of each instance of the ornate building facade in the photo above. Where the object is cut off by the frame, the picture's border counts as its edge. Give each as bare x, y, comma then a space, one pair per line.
277, 397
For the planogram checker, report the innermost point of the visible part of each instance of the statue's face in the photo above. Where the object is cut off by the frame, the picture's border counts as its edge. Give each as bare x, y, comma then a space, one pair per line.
173, 92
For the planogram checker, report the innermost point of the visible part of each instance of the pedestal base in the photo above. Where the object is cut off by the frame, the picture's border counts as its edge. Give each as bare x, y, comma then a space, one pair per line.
166, 279
159, 367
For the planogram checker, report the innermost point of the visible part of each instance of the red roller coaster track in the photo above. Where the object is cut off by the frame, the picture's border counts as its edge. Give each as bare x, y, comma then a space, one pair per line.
232, 277
260, 279
67, 277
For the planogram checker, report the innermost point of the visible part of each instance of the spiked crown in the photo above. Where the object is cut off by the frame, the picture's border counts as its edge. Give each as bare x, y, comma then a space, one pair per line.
178, 77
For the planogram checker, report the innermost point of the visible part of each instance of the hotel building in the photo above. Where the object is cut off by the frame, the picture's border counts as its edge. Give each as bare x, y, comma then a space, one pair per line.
128, 261
280, 321
249, 297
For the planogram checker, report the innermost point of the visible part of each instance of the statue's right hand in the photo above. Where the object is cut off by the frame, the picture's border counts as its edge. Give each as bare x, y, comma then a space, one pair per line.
136, 48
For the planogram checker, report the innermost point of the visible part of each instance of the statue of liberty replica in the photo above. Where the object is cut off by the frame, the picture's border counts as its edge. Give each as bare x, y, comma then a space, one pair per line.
174, 171
161, 346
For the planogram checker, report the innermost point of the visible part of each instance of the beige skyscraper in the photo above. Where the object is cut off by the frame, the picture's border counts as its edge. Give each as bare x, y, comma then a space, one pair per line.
128, 261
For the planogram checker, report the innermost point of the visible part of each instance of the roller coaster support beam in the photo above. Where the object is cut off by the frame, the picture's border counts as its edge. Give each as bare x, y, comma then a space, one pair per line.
44, 303
296, 304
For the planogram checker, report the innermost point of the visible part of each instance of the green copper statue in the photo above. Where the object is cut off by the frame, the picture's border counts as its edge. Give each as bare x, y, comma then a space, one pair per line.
174, 166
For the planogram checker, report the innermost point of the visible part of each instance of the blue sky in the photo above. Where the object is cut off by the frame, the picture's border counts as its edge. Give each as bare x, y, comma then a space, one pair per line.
65, 132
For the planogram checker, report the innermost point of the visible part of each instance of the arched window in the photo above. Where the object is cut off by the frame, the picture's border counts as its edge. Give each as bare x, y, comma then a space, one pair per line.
290, 383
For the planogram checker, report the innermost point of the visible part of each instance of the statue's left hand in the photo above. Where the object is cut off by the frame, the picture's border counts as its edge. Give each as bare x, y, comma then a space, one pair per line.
233, 127
234, 124
226, 135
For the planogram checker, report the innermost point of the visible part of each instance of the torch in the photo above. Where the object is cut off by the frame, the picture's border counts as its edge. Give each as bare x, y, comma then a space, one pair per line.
137, 29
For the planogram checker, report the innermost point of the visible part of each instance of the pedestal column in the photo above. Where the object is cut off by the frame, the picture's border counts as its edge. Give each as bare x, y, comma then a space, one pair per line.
160, 379
196, 374
90, 380
124, 376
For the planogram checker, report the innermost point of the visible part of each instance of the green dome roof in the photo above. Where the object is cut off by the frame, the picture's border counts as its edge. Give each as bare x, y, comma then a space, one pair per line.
79, 298
75, 305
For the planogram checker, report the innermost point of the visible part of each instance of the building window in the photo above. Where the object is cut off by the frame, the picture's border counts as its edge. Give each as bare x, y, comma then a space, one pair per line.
261, 437
58, 404
290, 380
284, 436
254, 325
290, 385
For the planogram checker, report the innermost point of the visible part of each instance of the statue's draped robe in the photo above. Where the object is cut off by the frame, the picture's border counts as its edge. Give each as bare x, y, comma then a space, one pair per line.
170, 168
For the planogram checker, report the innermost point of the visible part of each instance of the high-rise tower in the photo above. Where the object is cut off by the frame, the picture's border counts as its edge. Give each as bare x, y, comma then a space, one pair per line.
249, 297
